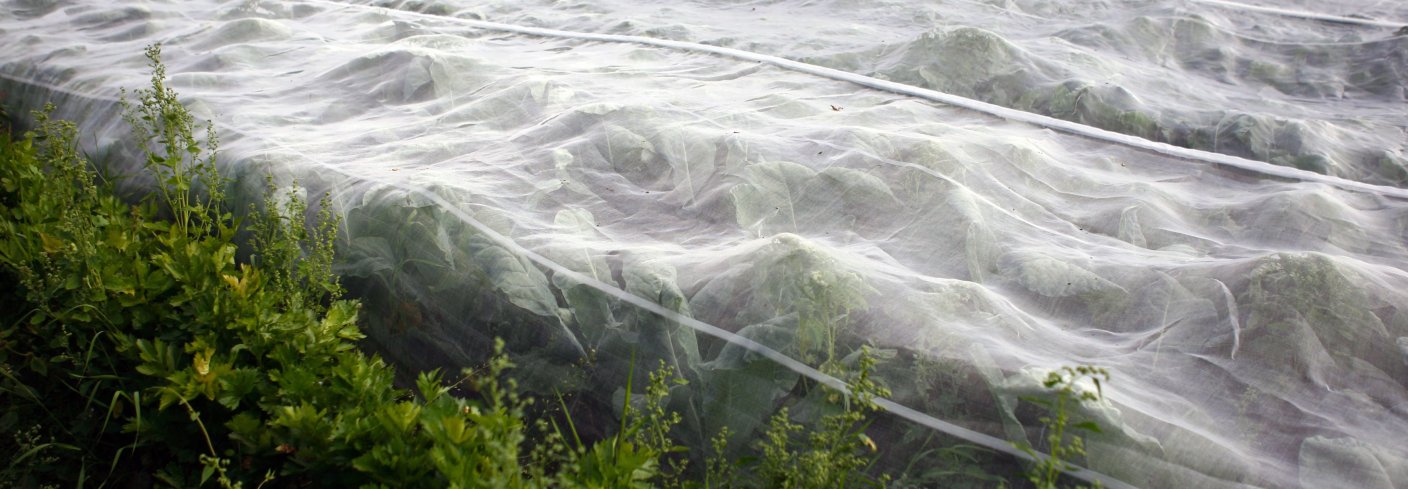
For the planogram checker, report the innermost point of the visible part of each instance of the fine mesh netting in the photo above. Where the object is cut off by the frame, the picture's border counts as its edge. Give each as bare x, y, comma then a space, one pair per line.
600, 201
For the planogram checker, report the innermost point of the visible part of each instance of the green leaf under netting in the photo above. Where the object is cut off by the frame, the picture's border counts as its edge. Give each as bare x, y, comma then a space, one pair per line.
690, 155
774, 197
793, 275
591, 309
521, 282
631, 155
741, 388
858, 191
661, 337
1307, 316
1052, 277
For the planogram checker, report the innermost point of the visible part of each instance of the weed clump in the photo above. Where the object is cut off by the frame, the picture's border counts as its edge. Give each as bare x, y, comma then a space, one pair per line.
1063, 445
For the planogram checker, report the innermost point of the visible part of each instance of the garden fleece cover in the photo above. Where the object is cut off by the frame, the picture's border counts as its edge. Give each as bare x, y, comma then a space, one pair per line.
1205, 197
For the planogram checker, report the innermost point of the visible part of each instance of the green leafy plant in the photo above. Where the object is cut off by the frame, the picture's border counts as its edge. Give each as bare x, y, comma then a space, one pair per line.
1062, 445
297, 257
837, 452
652, 424
719, 471
54, 257
188, 183
632, 456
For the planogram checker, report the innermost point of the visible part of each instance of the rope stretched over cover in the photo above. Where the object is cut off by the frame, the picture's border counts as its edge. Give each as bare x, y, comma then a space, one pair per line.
1301, 14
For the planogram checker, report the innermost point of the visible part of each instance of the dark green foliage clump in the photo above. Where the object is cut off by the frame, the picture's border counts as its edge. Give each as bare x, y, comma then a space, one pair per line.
138, 351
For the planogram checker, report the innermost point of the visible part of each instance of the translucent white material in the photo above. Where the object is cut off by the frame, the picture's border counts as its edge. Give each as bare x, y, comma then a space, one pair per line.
811, 192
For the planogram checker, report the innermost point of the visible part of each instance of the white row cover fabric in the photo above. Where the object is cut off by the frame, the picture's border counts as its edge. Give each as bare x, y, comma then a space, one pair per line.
1246, 286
